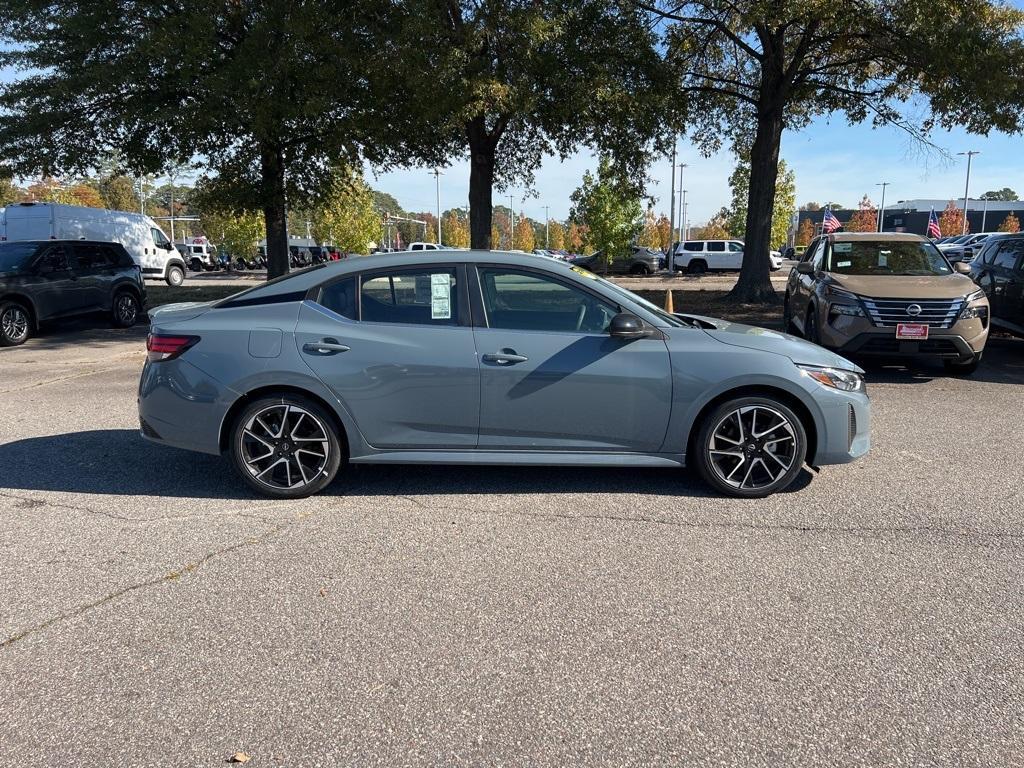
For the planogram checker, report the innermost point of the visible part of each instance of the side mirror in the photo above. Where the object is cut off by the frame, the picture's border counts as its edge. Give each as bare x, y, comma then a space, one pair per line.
805, 268
963, 269
627, 326
789, 253
168, 247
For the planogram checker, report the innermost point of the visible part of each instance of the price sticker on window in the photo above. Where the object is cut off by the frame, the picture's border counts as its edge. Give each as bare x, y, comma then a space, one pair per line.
440, 297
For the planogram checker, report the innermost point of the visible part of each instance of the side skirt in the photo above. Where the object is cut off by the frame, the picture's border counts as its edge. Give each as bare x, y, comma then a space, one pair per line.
524, 458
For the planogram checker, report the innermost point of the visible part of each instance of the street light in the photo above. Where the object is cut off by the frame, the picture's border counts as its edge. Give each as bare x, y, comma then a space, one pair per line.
682, 196
547, 221
437, 183
970, 153
881, 211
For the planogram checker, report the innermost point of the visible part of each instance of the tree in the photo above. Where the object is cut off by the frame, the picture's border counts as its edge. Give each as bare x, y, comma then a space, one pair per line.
9, 192
951, 222
85, 194
576, 237
510, 82
758, 68
455, 229
610, 210
782, 209
556, 235
238, 234
811, 206
649, 236
717, 228
865, 219
1000, 194
118, 193
524, 240
346, 217
1010, 224
282, 92
805, 233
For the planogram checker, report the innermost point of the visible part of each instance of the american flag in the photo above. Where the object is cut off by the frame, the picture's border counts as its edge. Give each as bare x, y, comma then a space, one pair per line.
933, 225
830, 223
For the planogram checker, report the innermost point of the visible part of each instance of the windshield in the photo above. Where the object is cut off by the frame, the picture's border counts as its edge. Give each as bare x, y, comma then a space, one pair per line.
654, 309
961, 239
886, 258
14, 255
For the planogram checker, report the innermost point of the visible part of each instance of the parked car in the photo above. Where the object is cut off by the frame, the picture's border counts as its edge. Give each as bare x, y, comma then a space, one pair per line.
140, 236
699, 256
379, 361
418, 246
887, 294
965, 247
999, 270
200, 254
637, 261
43, 280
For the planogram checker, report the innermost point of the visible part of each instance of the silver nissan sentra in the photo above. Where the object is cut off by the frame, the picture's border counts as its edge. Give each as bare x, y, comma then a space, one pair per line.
483, 357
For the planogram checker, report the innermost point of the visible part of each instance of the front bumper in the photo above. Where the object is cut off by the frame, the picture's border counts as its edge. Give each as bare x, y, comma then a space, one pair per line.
858, 336
845, 434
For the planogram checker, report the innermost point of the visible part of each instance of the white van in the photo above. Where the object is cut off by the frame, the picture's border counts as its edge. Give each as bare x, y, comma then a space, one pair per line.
139, 234
697, 256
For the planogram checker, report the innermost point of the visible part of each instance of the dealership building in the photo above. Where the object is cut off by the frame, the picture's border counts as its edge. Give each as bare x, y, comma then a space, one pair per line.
912, 215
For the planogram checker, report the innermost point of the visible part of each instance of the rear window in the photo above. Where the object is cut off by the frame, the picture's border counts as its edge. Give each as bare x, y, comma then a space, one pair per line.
694, 245
14, 255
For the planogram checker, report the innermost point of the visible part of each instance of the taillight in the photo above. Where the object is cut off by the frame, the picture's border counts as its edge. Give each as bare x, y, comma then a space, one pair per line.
162, 347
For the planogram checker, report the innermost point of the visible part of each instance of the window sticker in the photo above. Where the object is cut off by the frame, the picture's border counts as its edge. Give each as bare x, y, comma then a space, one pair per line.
842, 247
883, 258
440, 297
842, 264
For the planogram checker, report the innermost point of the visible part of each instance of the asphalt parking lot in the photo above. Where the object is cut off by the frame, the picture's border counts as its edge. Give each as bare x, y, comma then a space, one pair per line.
155, 613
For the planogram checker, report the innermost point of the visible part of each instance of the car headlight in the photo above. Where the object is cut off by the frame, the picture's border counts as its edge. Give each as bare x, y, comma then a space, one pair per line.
836, 378
845, 309
972, 309
976, 296
833, 292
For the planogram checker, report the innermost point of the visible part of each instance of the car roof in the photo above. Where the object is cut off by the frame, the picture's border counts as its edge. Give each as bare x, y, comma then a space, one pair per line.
304, 279
885, 237
61, 240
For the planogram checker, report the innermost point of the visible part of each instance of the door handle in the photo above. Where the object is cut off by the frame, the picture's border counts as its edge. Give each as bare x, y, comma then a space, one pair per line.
505, 357
324, 347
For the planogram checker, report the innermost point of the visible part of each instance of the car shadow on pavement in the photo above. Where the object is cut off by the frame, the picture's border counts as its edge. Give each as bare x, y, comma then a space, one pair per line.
89, 332
120, 462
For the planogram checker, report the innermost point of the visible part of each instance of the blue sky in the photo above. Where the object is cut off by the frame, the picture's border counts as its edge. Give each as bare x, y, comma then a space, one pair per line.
831, 159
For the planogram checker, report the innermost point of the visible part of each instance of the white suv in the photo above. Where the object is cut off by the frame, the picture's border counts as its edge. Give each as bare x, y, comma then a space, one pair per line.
698, 256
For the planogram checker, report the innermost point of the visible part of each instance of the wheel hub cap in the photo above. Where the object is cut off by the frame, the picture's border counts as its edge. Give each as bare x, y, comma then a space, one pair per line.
752, 447
284, 446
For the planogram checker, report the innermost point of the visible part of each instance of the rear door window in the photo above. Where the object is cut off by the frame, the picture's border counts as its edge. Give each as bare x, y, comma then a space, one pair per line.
1009, 252
90, 256
422, 296
716, 246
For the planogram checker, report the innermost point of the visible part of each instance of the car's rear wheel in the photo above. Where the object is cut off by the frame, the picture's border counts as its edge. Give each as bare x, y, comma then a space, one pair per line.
175, 276
750, 447
15, 324
125, 310
959, 368
639, 269
286, 447
697, 267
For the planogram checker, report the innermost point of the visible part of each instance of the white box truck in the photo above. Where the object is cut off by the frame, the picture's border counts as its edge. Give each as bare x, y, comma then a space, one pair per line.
139, 234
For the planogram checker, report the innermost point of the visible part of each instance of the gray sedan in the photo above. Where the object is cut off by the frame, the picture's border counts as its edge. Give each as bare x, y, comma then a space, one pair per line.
478, 357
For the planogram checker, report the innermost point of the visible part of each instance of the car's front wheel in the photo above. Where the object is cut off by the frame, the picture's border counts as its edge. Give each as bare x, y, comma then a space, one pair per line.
959, 368
285, 446
175, 276
639, 269
750, 447
15, 324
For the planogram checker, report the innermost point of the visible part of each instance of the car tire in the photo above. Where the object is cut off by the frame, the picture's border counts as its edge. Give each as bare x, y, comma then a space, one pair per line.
759, 438
787, 315
125, 309
811, 332
697, 267
639, 269
958, 368
279, 424
175, 276
16, 324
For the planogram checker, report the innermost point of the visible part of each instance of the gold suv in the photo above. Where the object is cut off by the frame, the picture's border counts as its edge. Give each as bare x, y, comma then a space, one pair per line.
887, 295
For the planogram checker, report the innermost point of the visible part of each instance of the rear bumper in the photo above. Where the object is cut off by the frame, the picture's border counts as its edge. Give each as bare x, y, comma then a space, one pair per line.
181, 406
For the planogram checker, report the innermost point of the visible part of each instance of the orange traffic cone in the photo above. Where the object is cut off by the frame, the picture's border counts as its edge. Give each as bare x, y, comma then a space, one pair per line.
669, 305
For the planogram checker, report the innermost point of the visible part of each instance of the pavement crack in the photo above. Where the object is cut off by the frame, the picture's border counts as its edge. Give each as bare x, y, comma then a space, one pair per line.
90, 372
170, 576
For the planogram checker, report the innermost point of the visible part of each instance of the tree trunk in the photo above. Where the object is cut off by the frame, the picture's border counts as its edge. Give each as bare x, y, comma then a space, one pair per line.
482, 148
754, 284
275, 210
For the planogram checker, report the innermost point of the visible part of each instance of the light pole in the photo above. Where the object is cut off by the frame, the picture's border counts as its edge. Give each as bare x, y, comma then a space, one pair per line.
682, 194
547, 221
881, 211
682, 216
967, 184
437, 184
672, 205
512, 219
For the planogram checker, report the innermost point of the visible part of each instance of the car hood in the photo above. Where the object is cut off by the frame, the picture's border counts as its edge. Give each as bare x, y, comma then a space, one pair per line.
176, 313
766, 340
906, 286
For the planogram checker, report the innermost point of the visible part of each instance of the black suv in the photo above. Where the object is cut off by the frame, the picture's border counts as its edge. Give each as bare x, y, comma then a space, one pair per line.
999, 270
44, 280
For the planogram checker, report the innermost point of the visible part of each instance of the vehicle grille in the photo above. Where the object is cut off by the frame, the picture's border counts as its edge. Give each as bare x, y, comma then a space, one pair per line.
940, 313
